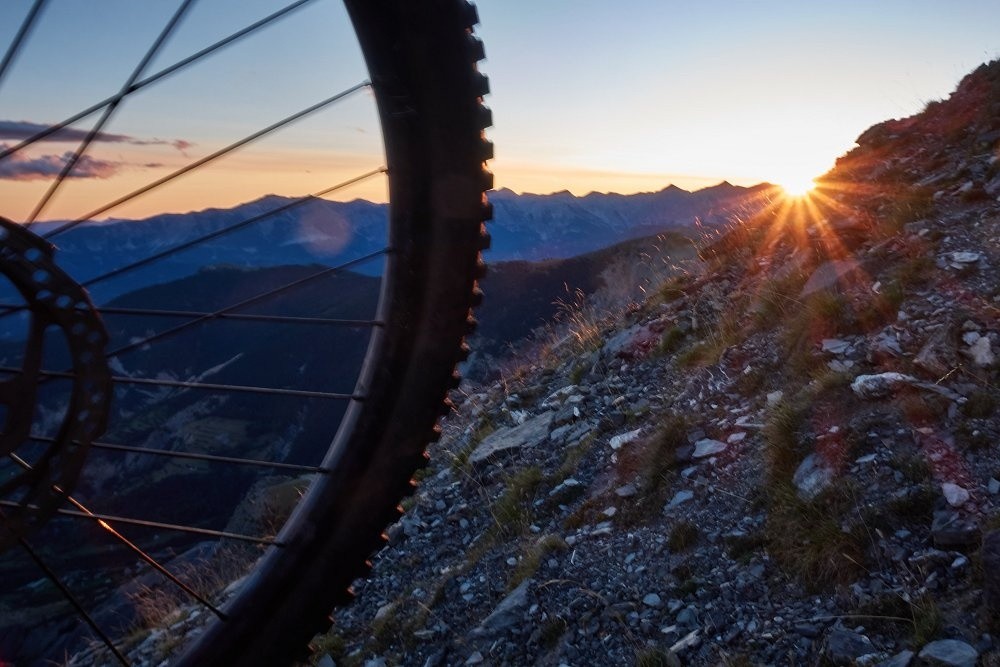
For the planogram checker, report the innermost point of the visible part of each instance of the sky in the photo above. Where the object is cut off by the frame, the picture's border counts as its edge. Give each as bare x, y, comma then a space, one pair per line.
587, 95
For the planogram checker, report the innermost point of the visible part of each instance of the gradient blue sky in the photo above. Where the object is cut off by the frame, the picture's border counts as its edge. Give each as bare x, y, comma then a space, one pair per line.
587, 94
629, 95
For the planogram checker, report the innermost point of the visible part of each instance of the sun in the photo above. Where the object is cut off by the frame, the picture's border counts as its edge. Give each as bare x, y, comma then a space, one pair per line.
797, 186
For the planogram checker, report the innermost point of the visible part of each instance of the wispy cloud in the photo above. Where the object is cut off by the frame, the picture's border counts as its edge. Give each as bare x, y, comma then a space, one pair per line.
19, 130
17, 168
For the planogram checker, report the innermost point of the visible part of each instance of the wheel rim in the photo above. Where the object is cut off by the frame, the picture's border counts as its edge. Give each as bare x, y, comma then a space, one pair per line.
386, 368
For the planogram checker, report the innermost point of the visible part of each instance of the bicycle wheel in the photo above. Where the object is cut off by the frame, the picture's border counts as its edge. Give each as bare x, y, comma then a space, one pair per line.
421, 59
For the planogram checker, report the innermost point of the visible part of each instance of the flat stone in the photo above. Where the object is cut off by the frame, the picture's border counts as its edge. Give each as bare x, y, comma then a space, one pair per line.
736, 437
835, 346
708, 447
993, 486
948, 653
506, 614
652, 600
532, 432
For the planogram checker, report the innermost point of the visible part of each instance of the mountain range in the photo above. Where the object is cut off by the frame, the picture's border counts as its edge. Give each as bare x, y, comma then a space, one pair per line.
281, 231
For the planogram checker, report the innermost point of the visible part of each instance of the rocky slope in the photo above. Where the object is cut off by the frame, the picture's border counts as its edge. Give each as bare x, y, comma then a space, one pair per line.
788, 455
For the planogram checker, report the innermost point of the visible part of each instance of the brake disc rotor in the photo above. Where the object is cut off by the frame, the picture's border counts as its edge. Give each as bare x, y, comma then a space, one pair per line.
55, 306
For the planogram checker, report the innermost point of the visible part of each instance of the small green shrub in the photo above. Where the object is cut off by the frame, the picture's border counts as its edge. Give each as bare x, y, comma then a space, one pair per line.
675, 287
742, 547
512, 511
980, 405
552, 631
532, 558
649, 464
783, 447
805, 537
671, 340
683, 536
654, 657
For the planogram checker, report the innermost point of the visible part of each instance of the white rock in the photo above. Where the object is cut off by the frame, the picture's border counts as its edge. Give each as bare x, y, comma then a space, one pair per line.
624, 438
880, 385
964, 257
993, 486
736, 437
708, 447
689, 640
954, 494
774, 397
812, 476
559, 395
981, 353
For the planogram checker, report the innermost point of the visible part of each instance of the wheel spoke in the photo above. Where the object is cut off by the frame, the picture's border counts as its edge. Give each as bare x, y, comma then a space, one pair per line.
259, 298
179, 65
109, 111
290, 467
22, 34
66, 593
231, 228
250, 138
103, 520
238, 317
10, 309
241, 317
210, 386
